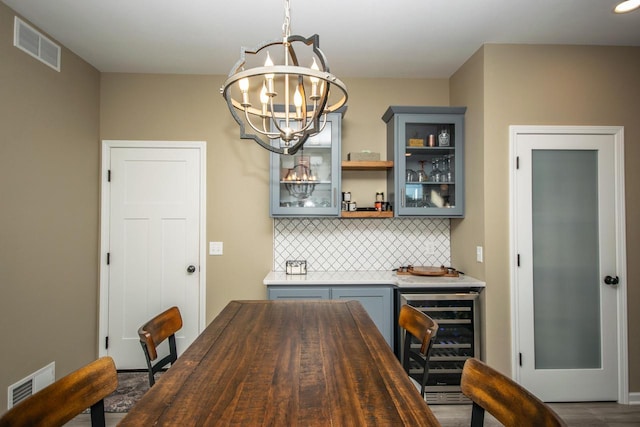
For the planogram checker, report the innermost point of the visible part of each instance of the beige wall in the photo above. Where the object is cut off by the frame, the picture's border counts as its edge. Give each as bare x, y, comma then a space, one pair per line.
467, 88
545, 85
49, 162
181, 107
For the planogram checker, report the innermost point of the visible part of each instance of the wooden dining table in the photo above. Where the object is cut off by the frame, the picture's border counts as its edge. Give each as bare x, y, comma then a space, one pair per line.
285, 363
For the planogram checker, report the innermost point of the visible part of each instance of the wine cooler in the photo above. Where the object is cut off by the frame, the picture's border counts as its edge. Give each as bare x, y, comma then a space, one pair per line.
458, 339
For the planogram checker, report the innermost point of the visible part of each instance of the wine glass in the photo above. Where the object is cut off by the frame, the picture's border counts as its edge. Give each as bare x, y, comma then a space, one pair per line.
436, 173
449, 170
422, 175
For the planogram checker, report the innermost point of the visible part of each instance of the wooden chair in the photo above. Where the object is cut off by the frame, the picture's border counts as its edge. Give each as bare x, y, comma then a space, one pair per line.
61, 401
154, 332
423, 329
507, 401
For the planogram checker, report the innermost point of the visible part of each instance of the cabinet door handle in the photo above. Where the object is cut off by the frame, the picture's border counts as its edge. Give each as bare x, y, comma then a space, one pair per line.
335, 194
402, 197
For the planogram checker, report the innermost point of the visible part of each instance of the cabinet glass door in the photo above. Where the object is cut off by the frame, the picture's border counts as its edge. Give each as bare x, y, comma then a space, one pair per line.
306, 183
430, 165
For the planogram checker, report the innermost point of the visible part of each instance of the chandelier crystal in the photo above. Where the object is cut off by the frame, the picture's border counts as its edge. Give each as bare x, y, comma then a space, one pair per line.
281, 104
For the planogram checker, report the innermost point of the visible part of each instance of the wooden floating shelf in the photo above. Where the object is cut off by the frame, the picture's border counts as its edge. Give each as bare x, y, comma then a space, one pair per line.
367, 165
366, 214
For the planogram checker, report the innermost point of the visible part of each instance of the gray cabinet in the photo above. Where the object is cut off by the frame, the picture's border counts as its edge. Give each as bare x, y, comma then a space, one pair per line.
307, 183
427, 147
376, 300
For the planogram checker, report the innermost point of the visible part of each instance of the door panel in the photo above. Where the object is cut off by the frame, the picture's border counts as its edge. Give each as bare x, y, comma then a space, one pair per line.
567, 332
154, 229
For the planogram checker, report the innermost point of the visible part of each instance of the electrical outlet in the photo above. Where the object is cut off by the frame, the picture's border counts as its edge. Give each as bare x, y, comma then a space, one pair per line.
479, 254
430, 248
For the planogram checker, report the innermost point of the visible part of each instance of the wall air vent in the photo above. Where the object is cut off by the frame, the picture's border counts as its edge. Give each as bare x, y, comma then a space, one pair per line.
31, 41
31, 384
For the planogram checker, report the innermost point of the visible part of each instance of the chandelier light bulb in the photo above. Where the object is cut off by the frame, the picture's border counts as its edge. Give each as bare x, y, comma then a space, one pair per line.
315, 67
244, 88
264, 99
297, 101
244, 85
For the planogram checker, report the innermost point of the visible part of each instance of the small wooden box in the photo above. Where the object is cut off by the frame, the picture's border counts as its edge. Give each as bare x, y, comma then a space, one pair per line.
363, 157
416, 142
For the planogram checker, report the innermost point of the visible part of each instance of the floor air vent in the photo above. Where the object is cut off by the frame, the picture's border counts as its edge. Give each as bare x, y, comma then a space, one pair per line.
31, 384
31, 41
447, 398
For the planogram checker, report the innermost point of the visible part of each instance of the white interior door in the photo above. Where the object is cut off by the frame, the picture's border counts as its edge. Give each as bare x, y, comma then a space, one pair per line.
153, 243
568, 212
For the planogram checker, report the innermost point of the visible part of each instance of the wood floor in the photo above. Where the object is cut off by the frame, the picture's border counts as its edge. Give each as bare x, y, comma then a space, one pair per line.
589, 414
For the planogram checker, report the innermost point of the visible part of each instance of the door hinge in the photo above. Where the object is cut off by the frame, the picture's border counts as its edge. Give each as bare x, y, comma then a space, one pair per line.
518, 260
109, 175
517, 162
106, 342
108, 258
520, 358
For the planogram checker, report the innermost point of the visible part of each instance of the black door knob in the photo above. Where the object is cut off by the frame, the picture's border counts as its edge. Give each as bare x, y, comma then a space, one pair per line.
611, 280
191, 269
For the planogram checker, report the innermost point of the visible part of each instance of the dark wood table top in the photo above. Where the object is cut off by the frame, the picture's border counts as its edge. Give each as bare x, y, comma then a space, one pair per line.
285, 363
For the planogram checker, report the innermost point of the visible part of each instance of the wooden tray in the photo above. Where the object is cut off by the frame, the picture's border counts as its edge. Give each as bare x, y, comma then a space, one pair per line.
430, 271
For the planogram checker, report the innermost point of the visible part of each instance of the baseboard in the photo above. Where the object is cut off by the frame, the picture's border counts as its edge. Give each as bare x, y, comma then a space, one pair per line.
634, 398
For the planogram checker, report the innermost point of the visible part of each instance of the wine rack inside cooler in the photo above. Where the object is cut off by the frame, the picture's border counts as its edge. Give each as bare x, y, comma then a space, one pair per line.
457, 340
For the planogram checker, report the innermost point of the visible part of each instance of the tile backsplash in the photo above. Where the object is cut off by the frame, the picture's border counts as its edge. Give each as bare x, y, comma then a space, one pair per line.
361, 244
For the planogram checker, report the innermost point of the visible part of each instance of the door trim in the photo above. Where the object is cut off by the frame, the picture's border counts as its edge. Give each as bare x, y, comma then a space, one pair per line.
107, 145
621, 248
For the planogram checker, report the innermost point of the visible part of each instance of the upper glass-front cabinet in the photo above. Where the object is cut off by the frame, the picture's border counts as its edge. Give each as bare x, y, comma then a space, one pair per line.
308, 182
427, 147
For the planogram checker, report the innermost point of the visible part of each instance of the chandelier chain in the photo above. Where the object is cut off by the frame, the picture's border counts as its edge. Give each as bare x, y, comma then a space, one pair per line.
286, 27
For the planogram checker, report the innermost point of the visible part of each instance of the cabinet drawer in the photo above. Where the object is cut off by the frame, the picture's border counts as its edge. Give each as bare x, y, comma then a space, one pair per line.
299, 293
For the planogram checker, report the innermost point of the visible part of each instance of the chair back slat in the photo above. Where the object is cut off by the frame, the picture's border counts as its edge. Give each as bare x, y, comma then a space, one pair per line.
506, 400
155, 331
61, 401
418, 324
159, 329
424, 329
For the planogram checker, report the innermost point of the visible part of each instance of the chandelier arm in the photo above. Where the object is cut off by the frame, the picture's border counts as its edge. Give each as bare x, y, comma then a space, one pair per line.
274, 117
270, 135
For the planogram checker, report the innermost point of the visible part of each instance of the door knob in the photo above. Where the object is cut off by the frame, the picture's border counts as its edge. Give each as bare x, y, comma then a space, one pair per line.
191, 269
611, 280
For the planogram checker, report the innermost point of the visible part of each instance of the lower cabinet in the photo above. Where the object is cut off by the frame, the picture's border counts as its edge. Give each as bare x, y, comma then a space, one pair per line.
376, 300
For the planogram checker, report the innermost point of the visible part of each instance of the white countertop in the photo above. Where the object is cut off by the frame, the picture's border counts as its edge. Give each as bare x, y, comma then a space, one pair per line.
346, 278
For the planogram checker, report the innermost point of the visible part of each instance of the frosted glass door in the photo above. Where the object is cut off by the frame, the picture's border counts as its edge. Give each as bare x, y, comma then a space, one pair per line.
565, 241
566, 283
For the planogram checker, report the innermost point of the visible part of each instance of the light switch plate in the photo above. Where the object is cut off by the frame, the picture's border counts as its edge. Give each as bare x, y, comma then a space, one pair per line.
215, 248
479, 254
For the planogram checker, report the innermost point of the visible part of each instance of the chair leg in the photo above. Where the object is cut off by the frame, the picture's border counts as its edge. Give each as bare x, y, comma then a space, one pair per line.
97, 414
477, 415
152, 380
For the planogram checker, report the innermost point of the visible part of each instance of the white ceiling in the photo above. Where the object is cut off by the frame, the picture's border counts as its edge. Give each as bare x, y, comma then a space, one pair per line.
402, 38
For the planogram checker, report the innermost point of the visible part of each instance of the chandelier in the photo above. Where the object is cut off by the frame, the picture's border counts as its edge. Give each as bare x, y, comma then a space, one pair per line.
280, 105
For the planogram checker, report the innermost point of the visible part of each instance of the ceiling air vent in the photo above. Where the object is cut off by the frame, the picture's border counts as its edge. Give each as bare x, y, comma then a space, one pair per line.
36, 44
